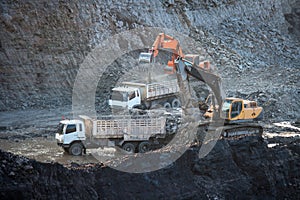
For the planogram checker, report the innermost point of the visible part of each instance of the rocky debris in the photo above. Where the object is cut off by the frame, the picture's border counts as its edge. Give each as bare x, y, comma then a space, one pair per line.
292, 15
271, 128
22, 178
224, 173
32, 122
243, 40
277, 140
25, 133
254, 46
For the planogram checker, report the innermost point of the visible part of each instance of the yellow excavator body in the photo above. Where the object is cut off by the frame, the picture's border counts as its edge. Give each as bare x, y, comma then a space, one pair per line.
239, 109
236, 109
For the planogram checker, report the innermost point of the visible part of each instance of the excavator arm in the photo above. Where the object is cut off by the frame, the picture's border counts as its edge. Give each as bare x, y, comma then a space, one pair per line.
186, 65
185, 69
231, 128
166, 43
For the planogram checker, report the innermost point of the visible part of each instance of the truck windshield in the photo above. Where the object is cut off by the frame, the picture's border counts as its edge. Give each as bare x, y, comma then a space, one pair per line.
60, 128
119, 96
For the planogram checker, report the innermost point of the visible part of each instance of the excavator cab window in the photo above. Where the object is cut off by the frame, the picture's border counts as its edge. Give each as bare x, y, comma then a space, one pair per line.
236, 108
253, 104
226, 107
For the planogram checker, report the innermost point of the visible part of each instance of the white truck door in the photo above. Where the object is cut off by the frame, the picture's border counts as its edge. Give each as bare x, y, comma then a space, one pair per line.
70, 134
134, 98
81, 131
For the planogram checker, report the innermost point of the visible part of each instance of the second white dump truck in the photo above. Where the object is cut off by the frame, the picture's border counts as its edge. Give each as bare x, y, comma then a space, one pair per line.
144, 95
131, 134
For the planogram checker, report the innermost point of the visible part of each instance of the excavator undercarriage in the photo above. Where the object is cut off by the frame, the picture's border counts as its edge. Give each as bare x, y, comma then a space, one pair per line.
208, 131
239, 130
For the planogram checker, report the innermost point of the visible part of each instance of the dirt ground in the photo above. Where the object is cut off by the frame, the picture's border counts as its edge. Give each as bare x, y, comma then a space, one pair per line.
45, 149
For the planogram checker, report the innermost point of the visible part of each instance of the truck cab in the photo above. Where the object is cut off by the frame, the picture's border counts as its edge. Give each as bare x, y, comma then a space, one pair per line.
70, 132
125, 97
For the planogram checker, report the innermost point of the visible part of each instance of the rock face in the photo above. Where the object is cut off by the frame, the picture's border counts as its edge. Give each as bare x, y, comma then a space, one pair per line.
223, 174
254, 45
43, 43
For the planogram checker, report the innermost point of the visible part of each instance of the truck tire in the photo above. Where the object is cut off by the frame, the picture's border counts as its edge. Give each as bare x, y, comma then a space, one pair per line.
176, 103
129, 147
167, 105
144, 147
147, 105
76, 149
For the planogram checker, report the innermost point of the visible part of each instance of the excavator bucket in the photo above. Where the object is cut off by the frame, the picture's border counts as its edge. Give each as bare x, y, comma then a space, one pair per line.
145, 57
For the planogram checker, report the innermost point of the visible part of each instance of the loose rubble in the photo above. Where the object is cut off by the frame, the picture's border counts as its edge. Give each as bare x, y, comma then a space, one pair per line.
224, 173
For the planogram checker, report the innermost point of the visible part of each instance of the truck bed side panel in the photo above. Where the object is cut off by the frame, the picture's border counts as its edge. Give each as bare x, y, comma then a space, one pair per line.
129, 129
155, 90
144, 128
161, 89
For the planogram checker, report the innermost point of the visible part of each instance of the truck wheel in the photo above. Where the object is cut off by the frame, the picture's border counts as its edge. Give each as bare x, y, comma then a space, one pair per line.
167, 105
175, 103
129, 147
144, 147
143, 106
76, 149
147, 105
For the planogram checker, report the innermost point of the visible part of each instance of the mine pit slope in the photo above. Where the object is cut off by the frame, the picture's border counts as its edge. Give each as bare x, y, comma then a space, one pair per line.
253, 45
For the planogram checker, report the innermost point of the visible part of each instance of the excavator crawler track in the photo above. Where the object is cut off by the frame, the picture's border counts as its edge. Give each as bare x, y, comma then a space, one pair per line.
237, 131
231, 131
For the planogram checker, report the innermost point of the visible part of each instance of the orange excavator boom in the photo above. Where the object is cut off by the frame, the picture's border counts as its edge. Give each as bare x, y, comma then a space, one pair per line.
166, 42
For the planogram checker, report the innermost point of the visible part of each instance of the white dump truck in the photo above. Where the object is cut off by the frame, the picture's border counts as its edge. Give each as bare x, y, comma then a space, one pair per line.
144, 95
132, 134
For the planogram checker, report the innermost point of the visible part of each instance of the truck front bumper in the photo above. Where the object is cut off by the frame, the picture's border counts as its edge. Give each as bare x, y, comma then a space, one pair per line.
59, 139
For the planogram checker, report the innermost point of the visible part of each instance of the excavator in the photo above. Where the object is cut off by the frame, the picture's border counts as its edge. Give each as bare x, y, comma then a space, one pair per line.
168, 43
238, 116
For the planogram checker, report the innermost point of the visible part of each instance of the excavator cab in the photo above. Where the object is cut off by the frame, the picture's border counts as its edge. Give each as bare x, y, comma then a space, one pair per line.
234, 109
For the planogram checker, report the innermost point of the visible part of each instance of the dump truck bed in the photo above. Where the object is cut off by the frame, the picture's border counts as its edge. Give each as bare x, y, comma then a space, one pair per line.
140, 128
155, 90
